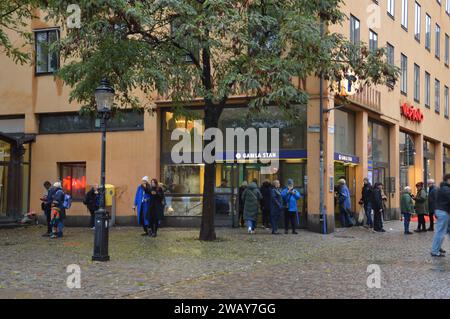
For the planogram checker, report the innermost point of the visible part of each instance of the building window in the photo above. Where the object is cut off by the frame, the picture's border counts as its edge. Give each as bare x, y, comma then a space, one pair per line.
75, 123
438, 41
447, 49
447, 7
47, 61
416, 83
446, 101
354, 30
344, 132
391, 7
404, 74
437, 95
390, 52
417, 20
373, 41
73, 179
427, 32
405, 14
427, 89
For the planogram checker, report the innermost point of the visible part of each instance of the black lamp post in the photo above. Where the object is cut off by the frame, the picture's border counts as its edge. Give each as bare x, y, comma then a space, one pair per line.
104, 98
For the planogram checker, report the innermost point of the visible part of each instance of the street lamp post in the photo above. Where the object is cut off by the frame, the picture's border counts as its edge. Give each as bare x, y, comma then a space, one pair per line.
104, 97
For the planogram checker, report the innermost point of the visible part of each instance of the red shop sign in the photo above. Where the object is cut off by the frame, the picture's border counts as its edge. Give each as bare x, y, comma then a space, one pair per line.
411, 113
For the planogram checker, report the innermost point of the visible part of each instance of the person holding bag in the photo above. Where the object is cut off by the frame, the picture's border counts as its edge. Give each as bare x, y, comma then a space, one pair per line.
407, 208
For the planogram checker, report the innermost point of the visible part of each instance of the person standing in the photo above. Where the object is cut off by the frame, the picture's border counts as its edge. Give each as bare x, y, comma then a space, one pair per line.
156, 208
251, 198
290, 197
377, 206
266, 192
241, 202
344, 203
421, 200
47, 208
58, 197
276, 206
431, 202
442, 213
407, 208
142, 204
92, 202
367, 191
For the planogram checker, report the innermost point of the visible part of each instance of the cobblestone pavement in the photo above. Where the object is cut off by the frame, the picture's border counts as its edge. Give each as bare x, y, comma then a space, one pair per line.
238, 265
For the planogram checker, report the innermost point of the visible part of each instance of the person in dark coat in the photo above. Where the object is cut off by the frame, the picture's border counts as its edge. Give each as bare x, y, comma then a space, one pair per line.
142, 204
442, 213
156, 209
57, 197
431, 202
377, 206
241, 203
252, 198
47, 208
266, 192
366, 201
276, 206
421, 201
92, 202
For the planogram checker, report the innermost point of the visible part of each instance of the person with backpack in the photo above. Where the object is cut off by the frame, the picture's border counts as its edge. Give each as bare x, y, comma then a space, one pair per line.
92, 202
407, 208
290, 197
58, 201
251, 198
442, 213
432, 191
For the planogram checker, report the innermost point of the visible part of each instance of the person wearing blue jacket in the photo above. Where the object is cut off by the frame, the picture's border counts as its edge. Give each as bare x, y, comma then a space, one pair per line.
344, 203
290, 197
142, 205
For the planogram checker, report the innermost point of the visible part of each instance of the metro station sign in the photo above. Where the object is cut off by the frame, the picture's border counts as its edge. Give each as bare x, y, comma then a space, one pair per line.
411, 113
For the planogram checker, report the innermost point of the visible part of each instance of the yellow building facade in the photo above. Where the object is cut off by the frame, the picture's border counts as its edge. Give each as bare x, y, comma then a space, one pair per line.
397, 135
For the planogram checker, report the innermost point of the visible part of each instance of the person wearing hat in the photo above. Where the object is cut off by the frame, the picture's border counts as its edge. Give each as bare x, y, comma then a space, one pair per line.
421, 201
407, 208
142, 205
290, 197
344, 203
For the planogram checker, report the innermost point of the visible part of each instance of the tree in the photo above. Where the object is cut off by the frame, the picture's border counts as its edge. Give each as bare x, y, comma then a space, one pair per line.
15, 16
255, 46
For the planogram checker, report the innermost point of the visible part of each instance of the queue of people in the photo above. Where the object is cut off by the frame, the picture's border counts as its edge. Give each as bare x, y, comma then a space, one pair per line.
273, 202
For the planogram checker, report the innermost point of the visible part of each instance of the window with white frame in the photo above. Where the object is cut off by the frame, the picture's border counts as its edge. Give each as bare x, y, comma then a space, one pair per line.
447, 7
437, 95
404, 74
427, 89
446, 101
427, 32
417, 20
416, 83
405, 14
438, 41
391, 7
447, 49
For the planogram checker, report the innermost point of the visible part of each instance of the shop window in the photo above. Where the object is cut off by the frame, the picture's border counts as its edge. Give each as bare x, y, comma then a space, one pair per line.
5, 151
183, 179
47, 61
73, 179
379, 143
407, 150
344, 132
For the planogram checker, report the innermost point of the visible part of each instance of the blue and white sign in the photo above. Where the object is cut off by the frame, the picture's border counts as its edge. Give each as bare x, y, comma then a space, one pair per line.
346, 158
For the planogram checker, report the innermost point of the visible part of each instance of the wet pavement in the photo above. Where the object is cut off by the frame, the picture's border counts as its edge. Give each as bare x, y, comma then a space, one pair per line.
237, 265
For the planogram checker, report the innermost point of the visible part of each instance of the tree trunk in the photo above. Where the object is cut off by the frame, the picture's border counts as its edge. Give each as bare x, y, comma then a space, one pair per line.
207, 230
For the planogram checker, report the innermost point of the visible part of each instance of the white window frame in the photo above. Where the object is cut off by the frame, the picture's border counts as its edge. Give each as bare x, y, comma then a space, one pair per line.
405, 14
417, 20
391, 7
